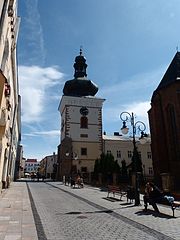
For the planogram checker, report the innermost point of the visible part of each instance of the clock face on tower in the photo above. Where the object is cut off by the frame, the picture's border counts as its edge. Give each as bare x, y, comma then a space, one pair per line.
84, 111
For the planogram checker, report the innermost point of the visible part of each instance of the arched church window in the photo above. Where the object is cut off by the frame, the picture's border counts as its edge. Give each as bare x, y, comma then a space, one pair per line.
171, 120
84, 122
172, 132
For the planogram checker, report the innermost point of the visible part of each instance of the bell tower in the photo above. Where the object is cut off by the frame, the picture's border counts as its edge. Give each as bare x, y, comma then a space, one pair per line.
81, 123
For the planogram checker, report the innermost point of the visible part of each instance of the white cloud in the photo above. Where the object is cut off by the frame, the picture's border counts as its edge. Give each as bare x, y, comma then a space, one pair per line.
140, 111
34, 32
34, 82
139, 108
43, 133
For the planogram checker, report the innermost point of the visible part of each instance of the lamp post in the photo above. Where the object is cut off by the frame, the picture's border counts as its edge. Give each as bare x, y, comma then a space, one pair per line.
140, 126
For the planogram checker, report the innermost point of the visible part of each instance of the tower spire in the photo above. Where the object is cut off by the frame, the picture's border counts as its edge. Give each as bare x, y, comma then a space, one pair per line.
81, 48
80, 65
80, 85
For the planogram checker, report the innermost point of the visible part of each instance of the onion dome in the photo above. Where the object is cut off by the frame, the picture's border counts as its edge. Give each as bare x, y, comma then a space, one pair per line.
80, 86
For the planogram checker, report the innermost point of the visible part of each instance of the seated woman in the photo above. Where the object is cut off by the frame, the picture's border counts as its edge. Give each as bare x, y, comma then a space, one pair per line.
152, 195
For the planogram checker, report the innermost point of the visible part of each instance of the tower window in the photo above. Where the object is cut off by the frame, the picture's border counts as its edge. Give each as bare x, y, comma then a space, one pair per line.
83, 169
150, 171
84, 151
84, 122
84, 135
129, 154
149, 155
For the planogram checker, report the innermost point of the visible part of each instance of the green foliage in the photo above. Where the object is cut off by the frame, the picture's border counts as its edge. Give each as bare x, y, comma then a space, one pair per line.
106, 165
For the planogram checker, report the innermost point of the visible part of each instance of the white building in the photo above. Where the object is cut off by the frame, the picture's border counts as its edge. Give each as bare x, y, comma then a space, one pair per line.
31, 166
121, 148
81, 123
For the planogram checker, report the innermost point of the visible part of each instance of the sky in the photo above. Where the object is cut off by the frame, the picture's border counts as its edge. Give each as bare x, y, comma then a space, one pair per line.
128, 45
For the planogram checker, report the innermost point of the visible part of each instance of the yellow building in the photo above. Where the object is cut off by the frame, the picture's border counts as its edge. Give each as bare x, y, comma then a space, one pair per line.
48, 166
9, 92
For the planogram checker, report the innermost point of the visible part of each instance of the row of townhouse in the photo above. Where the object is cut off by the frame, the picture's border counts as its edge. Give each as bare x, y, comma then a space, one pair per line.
10, 101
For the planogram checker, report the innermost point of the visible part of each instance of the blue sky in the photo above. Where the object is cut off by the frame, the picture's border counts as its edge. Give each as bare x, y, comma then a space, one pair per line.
128, 45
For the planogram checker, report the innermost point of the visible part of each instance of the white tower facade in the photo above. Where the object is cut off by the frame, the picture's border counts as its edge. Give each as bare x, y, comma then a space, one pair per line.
81, 120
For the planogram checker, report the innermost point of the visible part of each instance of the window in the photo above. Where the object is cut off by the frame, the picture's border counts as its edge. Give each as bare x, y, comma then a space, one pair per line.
62, 125
84, 122
118, 154
83, 169
84, 151
149, 155
84, 135
129, 154
108, 151
139, 154
150, 171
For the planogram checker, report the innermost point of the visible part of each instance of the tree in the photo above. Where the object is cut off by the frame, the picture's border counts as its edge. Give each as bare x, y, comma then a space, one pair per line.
106, 165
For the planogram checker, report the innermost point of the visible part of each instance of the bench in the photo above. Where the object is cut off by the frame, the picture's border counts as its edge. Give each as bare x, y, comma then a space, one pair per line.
175, 204
116, 190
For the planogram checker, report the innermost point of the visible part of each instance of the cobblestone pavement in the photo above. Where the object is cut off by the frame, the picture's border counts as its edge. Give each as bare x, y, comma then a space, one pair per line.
64, 213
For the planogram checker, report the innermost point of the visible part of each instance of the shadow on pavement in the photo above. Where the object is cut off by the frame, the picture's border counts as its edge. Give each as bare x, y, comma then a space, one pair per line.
111, 199
127, 204
153, 213
98, 211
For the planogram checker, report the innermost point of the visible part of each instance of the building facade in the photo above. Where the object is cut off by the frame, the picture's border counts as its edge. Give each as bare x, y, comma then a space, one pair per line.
81, 123
10, 125
164, 118
121, 148
48, 166
31, 166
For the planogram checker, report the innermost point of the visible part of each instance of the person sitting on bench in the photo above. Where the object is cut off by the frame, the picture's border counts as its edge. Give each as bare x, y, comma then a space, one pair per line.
152, 195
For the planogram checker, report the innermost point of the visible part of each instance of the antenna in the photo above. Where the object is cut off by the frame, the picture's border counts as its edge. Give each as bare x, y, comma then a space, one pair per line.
177, 48
81, 48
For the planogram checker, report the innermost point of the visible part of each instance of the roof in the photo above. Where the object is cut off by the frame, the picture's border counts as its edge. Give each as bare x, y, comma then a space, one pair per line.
172, 74
123, 138
80, 86
31, 160
116, 138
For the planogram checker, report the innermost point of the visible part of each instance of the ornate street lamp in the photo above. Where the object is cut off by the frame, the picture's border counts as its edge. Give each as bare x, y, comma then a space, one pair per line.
140, 126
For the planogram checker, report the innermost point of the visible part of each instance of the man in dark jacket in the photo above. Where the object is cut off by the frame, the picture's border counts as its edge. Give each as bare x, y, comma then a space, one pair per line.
152, 196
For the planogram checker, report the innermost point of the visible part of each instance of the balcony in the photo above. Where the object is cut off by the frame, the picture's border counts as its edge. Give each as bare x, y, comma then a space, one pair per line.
7, 90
